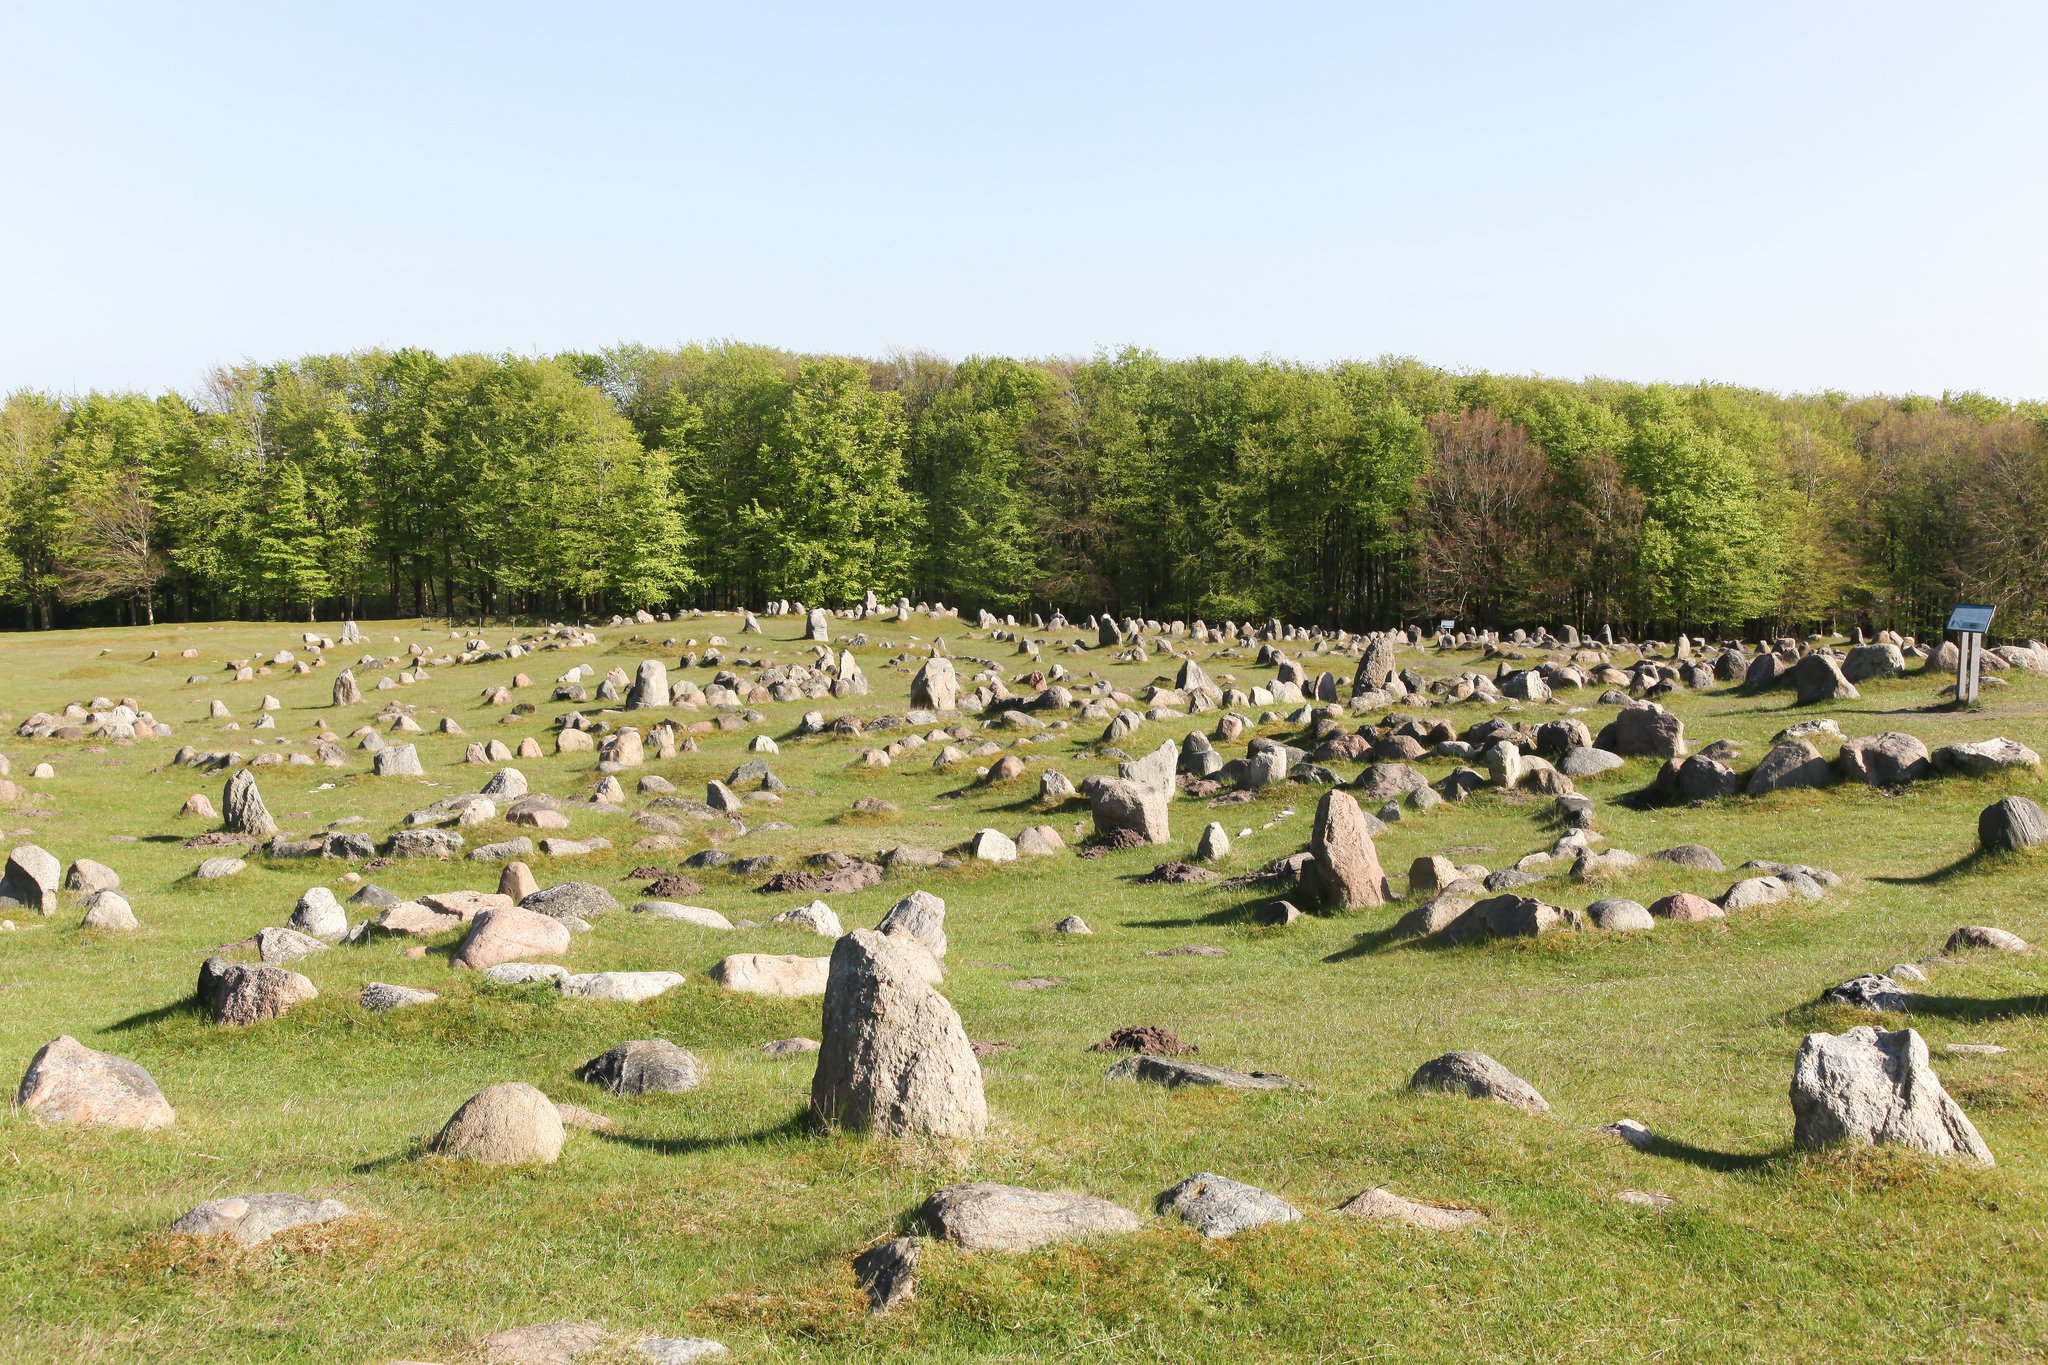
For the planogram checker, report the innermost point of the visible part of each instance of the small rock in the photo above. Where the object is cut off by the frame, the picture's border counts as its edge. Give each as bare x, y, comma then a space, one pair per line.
1384, 1206
1479, 1076
1216, 1206
984, 1216
379, 997
253, 1219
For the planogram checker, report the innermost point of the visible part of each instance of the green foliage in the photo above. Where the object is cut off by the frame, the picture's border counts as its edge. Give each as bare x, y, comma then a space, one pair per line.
727, 474
830, 516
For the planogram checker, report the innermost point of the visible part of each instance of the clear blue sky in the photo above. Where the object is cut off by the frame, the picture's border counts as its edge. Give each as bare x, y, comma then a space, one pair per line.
1800, 196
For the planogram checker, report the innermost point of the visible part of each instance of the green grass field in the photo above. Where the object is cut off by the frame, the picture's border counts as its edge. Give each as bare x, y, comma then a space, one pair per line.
717, 1213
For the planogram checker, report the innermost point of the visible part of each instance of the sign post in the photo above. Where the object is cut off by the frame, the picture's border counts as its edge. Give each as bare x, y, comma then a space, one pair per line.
1969, 621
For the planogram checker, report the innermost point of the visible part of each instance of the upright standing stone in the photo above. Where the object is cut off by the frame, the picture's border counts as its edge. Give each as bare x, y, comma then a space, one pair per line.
1348, 868
1138, 798
936, 686
246, 813
1375, 666
818, 626
894, 1059
650, 686
346, 690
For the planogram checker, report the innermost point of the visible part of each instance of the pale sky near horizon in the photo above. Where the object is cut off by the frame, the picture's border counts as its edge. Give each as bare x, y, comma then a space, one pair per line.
1794, 196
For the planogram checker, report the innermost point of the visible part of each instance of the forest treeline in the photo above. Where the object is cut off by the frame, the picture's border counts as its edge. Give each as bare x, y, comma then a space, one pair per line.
1358, 494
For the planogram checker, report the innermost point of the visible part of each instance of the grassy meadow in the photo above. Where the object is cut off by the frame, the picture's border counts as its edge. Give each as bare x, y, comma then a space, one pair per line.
716, 1213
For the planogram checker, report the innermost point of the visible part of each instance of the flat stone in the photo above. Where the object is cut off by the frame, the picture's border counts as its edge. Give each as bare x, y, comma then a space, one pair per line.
984, 1216
688, 914
619, 986
547, 1343
524, 973
772, 974
379, 997
1217, 1206
253, 1219
1381, 1205
1175, 1072
679, 1350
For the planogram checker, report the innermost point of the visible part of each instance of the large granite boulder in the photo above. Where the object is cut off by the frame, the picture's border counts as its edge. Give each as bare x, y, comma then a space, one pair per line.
894, 1059
69, 1083
1348, 874
1876, 1086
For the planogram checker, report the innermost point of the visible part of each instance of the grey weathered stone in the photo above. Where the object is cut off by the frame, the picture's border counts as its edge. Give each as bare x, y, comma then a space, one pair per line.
919, 917
1865, 662
1137, 798
688, 914
1791, 763
2011, 824
381, 997
626, 987
397, 760
319, 915
894, 1059
1479, 1076
936, 685
1620, 916
1587, 762
578, 900
985, 1216
87, 877
109, 912
650, 686
243, 805
1985, 937
253, 1219
1217, 1206
888, 1273
1892, 759
1877, 1086
1985, 758
1870, 992
243, 993
30, 879
647, 1066
1818, 678
1175, 1072
1644, 729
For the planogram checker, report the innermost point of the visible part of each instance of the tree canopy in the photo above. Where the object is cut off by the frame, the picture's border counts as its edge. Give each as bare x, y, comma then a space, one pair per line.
1355, 494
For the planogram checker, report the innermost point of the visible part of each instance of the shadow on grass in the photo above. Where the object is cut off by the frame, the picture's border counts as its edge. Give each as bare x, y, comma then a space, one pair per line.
1376, 940
1237, 912
188, 1005
797, 1125
1969, 862
1968, 1009
412, 1151
1706, 1158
